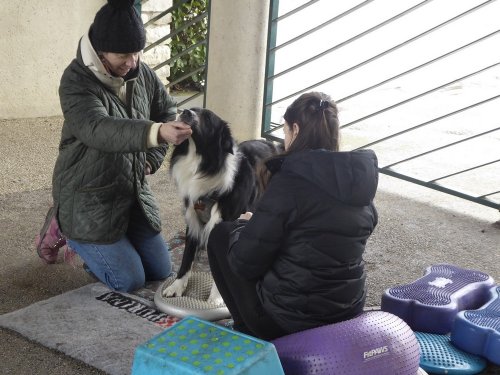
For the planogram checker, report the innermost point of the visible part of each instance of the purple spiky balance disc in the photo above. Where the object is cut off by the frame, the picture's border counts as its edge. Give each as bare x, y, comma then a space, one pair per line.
478, 331
431, 303
375, 342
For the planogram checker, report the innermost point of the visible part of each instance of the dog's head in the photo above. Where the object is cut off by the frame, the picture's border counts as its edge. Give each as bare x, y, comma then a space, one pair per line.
211, 137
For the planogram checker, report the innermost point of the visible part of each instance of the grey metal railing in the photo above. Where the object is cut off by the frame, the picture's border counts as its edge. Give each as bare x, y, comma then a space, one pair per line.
419, 114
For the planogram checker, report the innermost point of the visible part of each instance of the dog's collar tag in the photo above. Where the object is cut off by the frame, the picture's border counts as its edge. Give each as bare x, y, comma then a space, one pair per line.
203, 208
199, 205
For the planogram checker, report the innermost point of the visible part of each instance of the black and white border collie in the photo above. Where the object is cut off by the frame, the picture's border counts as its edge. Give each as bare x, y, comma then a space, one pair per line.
216, 179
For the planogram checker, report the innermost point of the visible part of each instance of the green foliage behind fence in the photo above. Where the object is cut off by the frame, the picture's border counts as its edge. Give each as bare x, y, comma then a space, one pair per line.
186, 38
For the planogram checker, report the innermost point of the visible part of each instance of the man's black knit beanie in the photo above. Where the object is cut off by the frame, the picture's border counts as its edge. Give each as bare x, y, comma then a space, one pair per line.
118, 28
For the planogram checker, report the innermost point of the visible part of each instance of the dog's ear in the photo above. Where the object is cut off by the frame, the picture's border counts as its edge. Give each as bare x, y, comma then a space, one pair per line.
226, 140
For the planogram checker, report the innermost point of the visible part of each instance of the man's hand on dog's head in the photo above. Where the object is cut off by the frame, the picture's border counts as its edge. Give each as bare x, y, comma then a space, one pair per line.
174, 132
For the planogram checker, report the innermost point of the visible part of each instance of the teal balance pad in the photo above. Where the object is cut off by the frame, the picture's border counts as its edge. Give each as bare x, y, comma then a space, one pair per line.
196, 346
439, 356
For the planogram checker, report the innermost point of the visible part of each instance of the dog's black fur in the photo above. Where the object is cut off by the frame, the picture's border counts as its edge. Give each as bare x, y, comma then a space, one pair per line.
216, 178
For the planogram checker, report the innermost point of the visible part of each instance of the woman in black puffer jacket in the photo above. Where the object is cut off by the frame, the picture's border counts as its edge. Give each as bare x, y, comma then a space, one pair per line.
297, 262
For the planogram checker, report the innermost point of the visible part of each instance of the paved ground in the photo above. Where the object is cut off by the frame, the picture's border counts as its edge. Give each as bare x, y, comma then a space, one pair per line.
418, 227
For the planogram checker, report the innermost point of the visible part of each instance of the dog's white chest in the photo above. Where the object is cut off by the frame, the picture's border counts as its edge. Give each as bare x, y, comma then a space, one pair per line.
193, 185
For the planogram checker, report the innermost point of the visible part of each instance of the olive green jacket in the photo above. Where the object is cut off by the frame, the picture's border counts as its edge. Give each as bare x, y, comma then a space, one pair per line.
100, 171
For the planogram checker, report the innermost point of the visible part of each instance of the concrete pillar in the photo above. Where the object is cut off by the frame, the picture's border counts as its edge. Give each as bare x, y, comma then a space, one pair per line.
236, 63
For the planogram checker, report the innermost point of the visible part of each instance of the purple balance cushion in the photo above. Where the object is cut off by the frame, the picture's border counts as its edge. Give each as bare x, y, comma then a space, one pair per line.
375, 342
431, 303
478, 331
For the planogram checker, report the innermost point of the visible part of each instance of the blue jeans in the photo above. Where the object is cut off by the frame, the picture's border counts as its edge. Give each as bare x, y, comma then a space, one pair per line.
141, 255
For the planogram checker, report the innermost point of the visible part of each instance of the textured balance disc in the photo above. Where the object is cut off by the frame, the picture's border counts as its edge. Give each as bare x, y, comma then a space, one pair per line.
194, 302
478, 331
439, 356
195, 346
375, 342
431, 303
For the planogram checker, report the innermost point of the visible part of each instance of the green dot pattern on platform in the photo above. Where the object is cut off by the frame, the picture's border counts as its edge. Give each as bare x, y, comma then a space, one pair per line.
201, 345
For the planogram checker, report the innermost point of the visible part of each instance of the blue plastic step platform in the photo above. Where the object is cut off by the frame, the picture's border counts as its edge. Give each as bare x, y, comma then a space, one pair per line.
478, 331
431, 303
195, 346
439, 356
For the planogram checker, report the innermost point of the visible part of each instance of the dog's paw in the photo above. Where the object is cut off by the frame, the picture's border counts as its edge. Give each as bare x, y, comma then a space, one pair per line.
176, 289
215, 301
215, 298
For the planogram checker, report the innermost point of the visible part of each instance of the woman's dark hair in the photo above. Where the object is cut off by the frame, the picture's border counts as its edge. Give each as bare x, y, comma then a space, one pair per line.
316, 115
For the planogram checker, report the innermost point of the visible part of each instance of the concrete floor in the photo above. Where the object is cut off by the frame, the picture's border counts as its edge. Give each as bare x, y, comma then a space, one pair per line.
418, 227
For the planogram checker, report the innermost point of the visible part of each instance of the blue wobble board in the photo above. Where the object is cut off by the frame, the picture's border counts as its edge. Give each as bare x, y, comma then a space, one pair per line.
439, 356
431, 303
478, 331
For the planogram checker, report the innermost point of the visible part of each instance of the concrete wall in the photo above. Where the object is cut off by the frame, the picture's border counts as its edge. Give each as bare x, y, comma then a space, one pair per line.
236, 63
38, 41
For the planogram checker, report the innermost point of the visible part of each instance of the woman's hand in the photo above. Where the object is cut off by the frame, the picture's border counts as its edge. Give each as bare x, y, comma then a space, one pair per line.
174, 132
246, 216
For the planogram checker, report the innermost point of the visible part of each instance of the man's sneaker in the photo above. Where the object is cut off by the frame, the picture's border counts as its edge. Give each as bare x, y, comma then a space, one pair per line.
50, 239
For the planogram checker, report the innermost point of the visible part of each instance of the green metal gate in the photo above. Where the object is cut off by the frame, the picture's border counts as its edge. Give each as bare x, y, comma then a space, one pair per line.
417, 81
